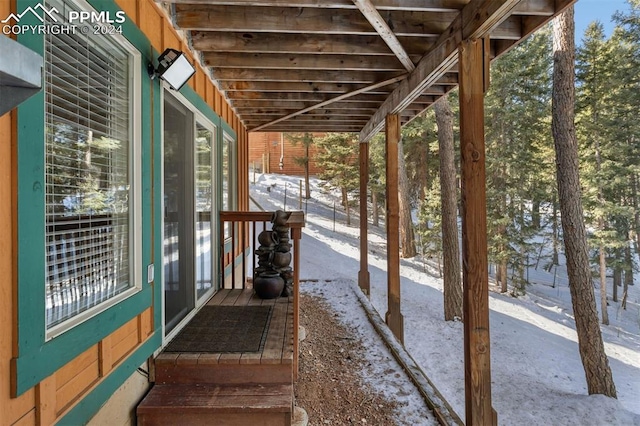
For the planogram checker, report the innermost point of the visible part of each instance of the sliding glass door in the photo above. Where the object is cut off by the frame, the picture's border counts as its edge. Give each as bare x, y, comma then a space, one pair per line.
190, 210
178, 212
205, 209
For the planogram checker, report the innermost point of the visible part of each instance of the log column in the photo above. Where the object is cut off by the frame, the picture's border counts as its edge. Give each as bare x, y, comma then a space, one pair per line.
473, 66
363, 275
393, 317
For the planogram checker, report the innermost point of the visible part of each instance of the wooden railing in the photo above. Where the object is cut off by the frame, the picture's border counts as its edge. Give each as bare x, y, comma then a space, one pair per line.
85, 261
243, 229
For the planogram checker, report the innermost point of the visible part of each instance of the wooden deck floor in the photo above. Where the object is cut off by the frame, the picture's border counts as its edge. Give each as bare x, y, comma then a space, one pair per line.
278, 347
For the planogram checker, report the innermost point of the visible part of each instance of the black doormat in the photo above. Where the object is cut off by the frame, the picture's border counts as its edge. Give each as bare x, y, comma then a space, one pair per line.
224, 329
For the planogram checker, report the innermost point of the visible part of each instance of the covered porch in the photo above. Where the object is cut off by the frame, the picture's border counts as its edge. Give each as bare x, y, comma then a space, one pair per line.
208, 373
362, 67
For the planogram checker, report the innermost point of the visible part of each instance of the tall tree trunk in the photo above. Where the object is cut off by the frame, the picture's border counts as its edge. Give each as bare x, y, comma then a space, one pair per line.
307, 189
555, 260
502, 275
601, 228
449, 197
345, 203
594, 360
407, 239
536, 221
617, 281
636, 221
628, 266
603, 285
374, 202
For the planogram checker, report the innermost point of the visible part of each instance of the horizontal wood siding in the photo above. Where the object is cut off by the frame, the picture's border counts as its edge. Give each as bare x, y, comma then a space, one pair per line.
55, 396
124, 340
265, 150
75, 378
27, 420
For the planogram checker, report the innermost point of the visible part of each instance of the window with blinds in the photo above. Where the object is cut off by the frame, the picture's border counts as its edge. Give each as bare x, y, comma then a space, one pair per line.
88, 96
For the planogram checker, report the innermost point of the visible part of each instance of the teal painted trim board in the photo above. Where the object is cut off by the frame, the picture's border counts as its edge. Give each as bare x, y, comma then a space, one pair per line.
33, 367
158, 204
90, 404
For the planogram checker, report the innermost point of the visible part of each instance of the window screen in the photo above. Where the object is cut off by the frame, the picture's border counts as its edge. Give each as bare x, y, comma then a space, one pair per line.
88, 175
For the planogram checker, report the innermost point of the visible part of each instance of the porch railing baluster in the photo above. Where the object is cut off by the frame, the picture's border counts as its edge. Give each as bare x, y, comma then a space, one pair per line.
237, 218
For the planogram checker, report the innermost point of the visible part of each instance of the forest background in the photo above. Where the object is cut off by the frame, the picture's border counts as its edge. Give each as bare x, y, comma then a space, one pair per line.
523, 215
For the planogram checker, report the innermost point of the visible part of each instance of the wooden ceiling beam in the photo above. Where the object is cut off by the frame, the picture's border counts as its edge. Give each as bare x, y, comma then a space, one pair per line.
410, 5
294, 97
297, 129
299, 105
336, 99
316, 76
536, 7
476, 20
315, 113
386, 33
306, 20
449, 79
345, 120
262, 97
263, 61
256, 42
283, 87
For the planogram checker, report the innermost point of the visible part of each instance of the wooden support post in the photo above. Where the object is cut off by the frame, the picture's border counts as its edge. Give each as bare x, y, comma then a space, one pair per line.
393, 317
363, 275
477, 357
296, 234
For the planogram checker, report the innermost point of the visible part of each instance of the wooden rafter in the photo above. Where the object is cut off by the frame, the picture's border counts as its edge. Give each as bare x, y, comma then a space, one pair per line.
378, 23
310, 54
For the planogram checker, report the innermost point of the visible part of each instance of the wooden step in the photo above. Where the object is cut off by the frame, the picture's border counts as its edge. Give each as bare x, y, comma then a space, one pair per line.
225, 369
197, 404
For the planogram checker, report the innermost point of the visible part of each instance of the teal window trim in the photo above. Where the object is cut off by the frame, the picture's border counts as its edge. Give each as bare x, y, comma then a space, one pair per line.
38, 358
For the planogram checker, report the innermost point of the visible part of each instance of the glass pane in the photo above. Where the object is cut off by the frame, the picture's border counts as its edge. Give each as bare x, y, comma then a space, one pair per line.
226, 182
204, 210
87, 145
178, 213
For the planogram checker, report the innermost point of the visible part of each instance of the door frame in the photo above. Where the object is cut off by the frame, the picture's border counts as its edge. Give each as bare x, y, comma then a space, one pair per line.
197, 118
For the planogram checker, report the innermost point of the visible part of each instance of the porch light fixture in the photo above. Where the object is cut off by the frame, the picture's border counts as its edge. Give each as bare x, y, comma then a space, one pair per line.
173, 67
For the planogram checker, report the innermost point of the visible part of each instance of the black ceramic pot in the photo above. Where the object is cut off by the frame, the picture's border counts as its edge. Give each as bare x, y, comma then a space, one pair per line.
268, 285
281, 259
268, 238
280, 217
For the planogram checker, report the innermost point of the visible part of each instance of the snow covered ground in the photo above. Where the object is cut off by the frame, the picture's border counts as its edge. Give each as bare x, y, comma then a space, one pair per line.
537, 374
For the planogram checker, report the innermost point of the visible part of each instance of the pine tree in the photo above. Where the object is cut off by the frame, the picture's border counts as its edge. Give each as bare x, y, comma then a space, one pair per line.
407, 237
421, 155
337, 158
377, 176
591, 347
517, 111
452, 286
593, 71
625, 126
306, 139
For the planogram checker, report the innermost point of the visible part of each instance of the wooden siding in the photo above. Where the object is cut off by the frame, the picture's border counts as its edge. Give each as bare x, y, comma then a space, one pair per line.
56, 395
22, 408
75, 378
265, 149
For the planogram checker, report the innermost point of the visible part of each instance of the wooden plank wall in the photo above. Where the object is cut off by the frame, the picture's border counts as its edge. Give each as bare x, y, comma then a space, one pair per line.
265, 146
56, 395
